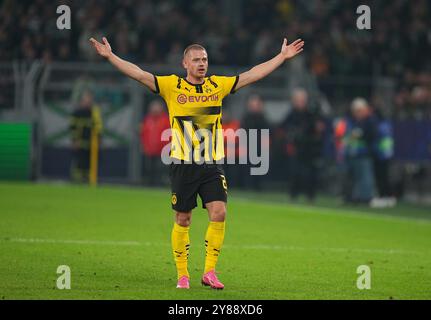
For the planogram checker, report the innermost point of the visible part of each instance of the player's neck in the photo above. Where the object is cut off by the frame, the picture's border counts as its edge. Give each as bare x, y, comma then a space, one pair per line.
195, 80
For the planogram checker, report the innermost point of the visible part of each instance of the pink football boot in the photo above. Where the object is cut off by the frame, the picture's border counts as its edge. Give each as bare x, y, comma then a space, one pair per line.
183, 283
210, 279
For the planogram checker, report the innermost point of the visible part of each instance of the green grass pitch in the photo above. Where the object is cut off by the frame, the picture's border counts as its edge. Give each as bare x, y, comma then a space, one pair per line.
116, 241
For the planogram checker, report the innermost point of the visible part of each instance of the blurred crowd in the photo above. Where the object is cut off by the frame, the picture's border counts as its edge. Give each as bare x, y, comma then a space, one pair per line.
237, 33
362, 147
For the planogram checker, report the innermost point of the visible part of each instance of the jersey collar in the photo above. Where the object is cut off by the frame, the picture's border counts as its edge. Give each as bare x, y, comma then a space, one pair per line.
194, 84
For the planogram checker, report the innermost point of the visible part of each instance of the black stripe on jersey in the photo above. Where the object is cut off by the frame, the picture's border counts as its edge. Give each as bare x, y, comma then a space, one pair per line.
208, 110
187, 138
195, 119
234, 85
185, 118
156, 83
179, 83
196, 128
181, 146
212, 82
201, 111
215, 135
200, 138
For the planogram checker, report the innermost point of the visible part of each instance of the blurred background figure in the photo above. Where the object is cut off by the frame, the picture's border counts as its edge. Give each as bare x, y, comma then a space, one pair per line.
382, 157
304, 137
152, 127
359, 140
85, 122
254, 118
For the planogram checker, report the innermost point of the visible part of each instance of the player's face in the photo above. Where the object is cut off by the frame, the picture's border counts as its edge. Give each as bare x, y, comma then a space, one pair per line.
196, 63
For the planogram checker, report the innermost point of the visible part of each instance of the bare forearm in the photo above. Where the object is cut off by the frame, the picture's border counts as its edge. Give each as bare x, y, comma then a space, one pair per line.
132, 71
260, 71
129, 69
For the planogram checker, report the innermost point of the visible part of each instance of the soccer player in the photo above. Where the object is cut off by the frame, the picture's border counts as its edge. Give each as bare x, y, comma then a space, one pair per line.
194, 102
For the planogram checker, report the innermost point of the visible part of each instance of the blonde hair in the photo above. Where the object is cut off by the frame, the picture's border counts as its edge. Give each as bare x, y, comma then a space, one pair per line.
194, 46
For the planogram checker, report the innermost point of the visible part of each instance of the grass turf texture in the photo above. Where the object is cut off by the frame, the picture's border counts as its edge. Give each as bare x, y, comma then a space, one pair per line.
116, 241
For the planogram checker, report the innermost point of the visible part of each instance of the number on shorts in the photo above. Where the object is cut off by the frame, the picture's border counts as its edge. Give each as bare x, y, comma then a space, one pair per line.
223, 179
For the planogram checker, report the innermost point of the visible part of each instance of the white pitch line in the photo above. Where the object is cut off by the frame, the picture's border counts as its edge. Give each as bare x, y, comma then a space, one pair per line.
55, 241
240, 247
295, 248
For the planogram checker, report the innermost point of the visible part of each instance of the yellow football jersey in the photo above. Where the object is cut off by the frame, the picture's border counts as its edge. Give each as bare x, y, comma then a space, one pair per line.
195, 115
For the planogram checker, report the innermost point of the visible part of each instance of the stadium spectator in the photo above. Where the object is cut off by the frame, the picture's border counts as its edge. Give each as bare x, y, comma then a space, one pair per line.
383, 152
85, 121
151, 130
358, 145
304, 136
254, 119
82, 84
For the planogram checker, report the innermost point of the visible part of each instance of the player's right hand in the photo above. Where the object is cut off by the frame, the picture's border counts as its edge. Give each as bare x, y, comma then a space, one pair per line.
103, 49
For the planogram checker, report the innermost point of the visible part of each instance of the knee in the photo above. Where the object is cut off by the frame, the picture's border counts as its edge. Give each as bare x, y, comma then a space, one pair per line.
183, 219
218, 213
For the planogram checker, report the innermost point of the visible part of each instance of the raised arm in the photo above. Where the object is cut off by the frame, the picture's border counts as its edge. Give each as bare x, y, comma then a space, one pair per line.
129, 69
262, 70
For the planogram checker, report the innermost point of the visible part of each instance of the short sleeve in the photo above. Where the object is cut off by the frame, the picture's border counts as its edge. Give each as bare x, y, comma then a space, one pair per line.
164, 84
227, 83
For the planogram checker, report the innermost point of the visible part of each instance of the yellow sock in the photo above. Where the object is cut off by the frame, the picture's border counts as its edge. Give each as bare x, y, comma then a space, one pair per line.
213, 242
180, 248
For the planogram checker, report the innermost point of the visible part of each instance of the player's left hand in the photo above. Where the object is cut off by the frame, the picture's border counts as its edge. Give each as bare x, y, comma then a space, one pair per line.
291, 50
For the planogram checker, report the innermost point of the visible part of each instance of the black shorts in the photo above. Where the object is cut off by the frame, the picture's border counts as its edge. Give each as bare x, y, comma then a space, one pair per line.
189, 180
